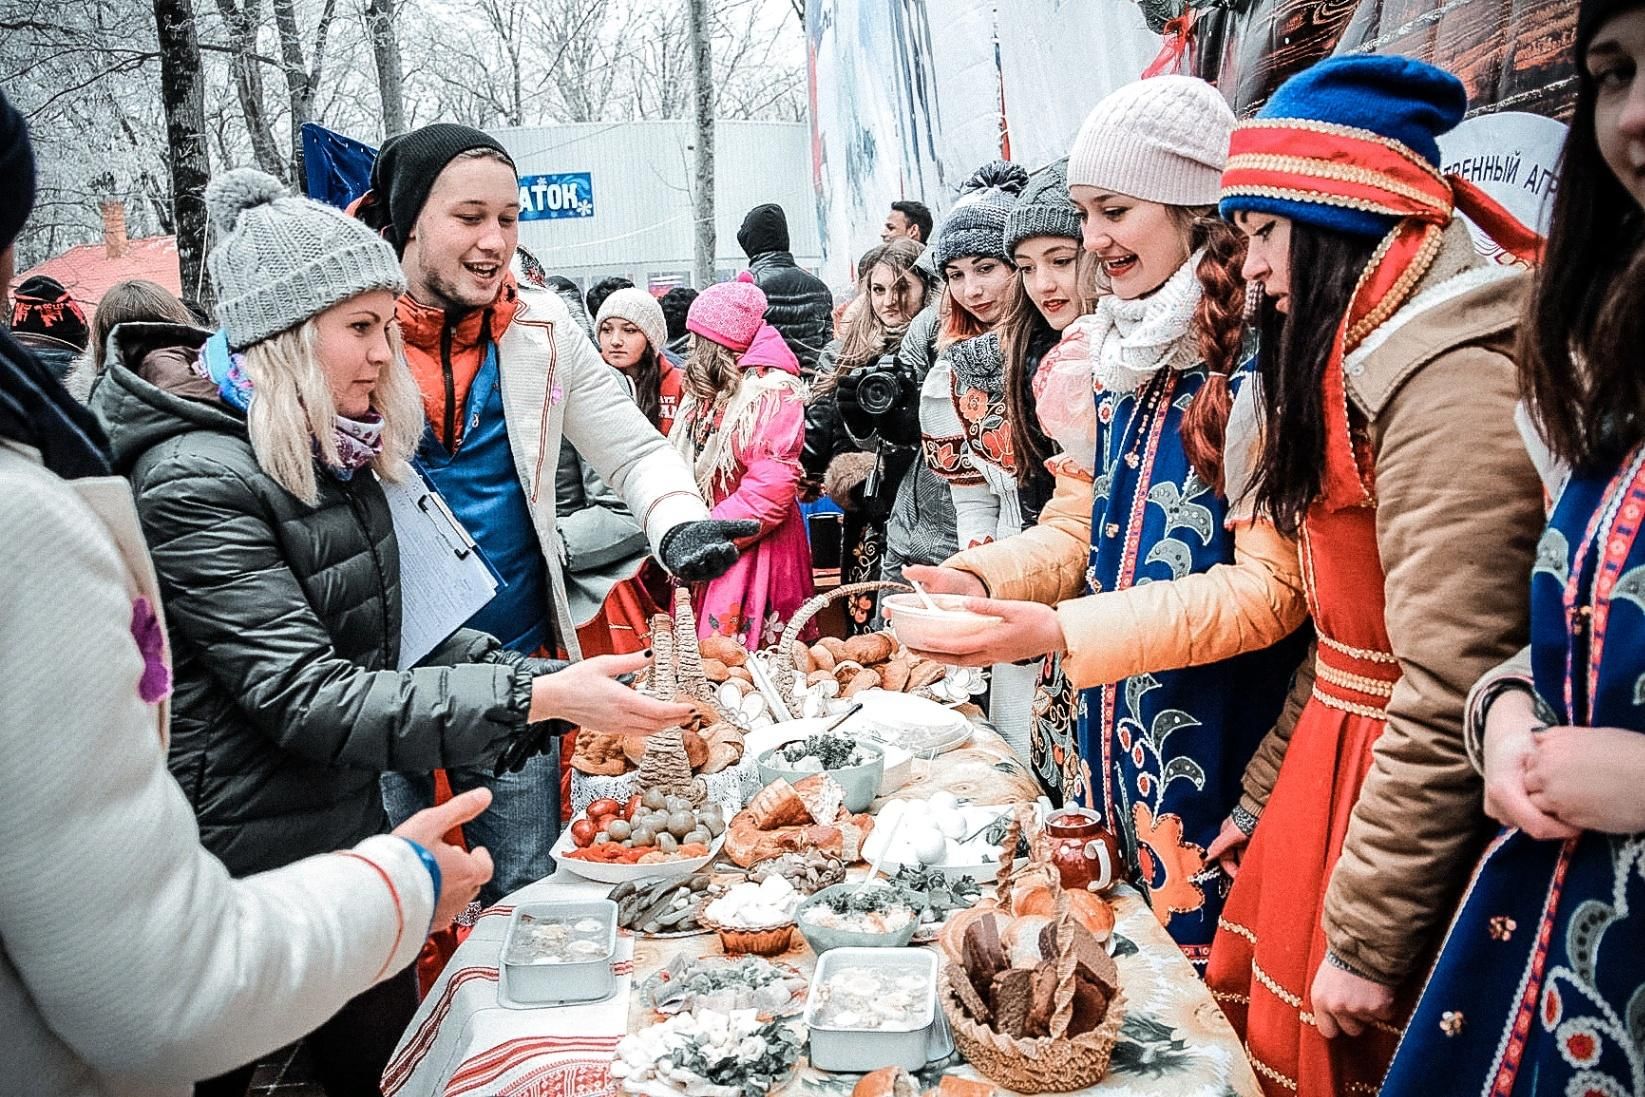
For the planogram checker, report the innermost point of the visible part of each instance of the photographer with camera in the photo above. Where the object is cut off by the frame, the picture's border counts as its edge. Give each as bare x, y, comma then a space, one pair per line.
857, 376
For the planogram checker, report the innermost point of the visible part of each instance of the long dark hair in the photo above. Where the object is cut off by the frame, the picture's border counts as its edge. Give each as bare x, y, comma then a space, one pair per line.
1023, 327
647, 375
1585, 321
1295, 351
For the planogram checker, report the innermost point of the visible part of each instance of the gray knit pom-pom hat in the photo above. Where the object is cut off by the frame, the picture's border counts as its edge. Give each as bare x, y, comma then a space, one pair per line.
975, 227
280, 259
1044, 209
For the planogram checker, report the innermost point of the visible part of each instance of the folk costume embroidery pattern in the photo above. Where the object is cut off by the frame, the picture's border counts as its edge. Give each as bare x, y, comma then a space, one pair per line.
1545, 961
1165, 749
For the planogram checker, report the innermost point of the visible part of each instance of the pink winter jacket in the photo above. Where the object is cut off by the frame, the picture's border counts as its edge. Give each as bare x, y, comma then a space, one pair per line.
772, 578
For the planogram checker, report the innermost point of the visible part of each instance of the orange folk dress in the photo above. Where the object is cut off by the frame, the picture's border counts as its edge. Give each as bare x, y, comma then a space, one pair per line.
1269, 941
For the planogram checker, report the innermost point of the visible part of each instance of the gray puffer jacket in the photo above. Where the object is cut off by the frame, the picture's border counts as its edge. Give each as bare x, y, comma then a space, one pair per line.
285, 626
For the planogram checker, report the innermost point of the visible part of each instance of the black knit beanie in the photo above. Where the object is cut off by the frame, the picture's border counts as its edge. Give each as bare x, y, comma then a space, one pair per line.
16, 173
405, 171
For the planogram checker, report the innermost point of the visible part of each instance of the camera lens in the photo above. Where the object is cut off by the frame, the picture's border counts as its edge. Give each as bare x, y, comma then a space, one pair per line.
878, 392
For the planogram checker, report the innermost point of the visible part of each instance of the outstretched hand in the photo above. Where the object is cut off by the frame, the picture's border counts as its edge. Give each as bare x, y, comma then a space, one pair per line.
705, 549
1025, 630
592, 694
940, 580
462, 871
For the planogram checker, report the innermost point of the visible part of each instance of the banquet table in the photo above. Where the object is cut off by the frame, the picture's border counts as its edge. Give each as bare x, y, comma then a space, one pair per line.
463, 1041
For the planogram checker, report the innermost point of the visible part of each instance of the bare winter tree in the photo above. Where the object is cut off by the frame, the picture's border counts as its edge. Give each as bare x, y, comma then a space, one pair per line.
183, 94
117, 102
385, 54
702, 113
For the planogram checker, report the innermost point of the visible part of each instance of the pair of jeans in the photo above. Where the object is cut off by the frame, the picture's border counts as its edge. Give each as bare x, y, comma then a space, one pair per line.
351, 1049
519, 827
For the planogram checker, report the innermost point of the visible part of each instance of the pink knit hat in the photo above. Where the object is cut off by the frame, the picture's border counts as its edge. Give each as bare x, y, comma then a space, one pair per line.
728, 313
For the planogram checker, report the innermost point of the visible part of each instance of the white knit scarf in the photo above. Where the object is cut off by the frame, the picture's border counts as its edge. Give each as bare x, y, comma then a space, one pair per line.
1133, 340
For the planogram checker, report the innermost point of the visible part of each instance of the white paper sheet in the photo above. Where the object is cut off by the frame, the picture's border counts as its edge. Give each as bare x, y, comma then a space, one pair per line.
443, 578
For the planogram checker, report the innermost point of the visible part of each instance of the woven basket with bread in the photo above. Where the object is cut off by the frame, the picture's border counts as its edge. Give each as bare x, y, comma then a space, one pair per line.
1033, 999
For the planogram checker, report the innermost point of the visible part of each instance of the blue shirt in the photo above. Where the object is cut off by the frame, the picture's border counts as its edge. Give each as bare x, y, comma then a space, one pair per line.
483, 490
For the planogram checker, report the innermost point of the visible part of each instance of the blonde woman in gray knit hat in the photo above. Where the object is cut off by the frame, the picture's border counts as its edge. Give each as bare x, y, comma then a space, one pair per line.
1174, 605
255, 456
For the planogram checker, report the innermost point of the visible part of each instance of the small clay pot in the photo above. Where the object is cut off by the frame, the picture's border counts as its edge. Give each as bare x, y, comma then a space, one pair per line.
1086, 853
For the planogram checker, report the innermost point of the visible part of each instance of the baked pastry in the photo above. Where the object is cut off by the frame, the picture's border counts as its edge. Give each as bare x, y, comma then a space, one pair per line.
887, 1082
823, 796
1012, 992
777, 805
599, 754
952, 1085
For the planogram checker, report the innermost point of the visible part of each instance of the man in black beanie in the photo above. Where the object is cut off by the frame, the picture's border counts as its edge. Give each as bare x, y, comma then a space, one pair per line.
798, 303
505, 373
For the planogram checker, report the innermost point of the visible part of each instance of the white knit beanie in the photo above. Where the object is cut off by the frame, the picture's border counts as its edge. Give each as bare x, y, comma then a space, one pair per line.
639, 308
1162, 140
280, 259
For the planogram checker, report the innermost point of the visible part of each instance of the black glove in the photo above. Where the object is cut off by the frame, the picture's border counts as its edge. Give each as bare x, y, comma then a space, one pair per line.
858, 423
697, 551
533, 739
527, 743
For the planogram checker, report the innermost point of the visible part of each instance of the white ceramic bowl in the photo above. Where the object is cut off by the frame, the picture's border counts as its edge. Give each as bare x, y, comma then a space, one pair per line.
604, 873
923, 629
899, 761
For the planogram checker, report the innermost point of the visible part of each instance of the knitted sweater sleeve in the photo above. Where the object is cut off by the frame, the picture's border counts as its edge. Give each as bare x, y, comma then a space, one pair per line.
625, 451
135, 950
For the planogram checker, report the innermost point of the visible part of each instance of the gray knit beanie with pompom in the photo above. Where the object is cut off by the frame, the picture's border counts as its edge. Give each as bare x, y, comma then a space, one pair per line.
280, 259
976, 224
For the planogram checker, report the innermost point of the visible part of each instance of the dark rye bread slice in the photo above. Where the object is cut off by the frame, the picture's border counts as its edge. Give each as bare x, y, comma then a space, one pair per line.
1095, 965
1044, 1003
1090, 1007
1013, 995
982, 954
970, 1000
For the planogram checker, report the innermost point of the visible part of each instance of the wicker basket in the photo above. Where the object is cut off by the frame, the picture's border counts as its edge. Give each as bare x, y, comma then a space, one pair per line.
757, 940
786, 675
1038, 1065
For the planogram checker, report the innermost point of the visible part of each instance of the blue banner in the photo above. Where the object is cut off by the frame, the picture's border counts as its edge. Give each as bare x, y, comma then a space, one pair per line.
337, 169
551, 197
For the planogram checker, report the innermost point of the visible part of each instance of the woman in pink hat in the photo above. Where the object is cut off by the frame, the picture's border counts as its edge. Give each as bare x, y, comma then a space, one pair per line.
741, 424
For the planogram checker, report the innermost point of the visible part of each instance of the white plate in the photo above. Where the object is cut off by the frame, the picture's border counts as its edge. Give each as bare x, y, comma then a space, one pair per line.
621, 874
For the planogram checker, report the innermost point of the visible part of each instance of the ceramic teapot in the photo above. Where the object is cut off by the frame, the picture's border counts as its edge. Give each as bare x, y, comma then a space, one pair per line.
1086, 853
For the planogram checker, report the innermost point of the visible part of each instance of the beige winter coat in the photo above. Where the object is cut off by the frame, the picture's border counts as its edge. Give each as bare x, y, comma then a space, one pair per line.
1459, 511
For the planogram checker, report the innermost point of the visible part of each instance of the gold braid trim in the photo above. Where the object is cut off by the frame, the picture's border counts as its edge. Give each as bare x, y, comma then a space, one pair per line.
1367, 654
1269, 1072
1339, 130
1359, 683
1401, 290
1312, 167
1339, 704
1237, 930
1313, 197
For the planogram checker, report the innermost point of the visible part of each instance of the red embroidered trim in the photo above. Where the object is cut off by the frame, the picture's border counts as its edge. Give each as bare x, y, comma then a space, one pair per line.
645, 518
399, 911
1509, 1070
401, 1067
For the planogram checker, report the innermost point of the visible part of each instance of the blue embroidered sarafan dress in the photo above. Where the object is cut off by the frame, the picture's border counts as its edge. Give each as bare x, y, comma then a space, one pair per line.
1540, 986
1164, 752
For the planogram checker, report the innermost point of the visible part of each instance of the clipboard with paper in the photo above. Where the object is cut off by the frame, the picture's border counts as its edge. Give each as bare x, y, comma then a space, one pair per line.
444, 577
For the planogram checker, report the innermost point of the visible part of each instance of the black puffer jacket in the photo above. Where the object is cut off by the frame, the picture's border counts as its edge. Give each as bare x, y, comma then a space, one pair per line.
285, 627
797, 304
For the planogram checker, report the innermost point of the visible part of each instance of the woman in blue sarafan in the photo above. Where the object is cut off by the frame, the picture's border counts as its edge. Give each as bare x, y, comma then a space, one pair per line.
1176, 611
1540, 985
